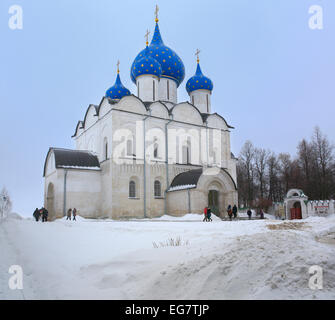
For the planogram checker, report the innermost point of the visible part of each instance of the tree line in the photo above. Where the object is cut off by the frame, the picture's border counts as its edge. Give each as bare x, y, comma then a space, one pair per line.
264, 177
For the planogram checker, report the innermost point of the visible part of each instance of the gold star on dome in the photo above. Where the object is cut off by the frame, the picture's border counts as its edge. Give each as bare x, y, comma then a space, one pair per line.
151, 65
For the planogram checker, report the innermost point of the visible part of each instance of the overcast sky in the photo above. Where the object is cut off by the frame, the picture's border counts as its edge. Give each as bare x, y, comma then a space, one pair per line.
273, 76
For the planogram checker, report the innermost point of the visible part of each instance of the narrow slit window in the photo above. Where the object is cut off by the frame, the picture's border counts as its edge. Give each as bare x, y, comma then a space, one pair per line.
168, 89
207, 103
153, 90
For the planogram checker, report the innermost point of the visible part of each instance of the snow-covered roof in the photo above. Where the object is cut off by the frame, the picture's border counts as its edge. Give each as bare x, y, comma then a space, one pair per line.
74, 159
182, 187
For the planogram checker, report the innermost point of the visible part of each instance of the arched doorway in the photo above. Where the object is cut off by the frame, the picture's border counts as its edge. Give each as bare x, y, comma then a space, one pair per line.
213, 202
296, 210
50, 205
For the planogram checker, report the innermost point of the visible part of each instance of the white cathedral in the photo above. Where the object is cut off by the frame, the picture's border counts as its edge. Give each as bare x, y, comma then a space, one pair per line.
146, 155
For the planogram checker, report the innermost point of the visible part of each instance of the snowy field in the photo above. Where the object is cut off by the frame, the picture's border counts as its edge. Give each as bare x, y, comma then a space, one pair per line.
106, 259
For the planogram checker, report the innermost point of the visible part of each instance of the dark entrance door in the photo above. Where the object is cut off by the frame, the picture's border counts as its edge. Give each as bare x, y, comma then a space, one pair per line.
296, 211
213, 201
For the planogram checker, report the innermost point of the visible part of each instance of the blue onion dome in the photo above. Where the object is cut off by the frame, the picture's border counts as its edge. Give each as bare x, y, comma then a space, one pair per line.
172, 66
199, 81
146, 65
118, 90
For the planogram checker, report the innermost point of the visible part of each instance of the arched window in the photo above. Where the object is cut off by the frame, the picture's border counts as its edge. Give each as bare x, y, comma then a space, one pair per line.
105, 151
168, 89
187, 152
130, 148
132, 189
155, 148
207, 103
157, 189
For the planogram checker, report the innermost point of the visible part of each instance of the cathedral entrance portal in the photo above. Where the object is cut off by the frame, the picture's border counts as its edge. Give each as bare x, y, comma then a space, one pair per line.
213, 201
50, 205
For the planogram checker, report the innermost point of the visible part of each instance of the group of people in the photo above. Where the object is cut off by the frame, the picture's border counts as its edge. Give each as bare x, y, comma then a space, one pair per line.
38, 213
207, 213
232, 212
71, 212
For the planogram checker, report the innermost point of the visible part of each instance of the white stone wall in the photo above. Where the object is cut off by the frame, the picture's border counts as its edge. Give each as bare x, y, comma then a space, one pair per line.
166, 94
202, 100
147, 87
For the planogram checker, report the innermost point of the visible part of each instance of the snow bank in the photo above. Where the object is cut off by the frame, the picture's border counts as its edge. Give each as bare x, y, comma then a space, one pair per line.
116, 259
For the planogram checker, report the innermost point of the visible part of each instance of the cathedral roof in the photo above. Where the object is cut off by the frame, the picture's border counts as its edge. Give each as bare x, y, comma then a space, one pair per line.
74, 159
199, 81
171, 64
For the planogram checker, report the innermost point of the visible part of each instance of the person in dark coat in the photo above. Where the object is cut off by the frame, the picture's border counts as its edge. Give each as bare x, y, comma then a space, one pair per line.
74, 213
249, 213
36, 214
230, 212
205, 214
261, 213
209, 213
44, 214
68, 216
235, 211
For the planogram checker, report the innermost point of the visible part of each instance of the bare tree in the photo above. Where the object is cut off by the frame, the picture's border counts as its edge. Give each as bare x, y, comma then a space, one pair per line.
274, 193
324, 159
246, 159
5, 203
261, 158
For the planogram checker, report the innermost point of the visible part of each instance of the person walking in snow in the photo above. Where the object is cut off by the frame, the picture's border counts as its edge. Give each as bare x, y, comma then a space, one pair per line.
74, 213
230, 212
249, 213
235, 211
209, 213
44, 215
68, 216
205, 214
36, 214
261, 213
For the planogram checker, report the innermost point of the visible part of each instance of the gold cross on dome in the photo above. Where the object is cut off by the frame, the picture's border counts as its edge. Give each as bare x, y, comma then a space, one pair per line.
197, 54
156, 13
147, 37
118, 63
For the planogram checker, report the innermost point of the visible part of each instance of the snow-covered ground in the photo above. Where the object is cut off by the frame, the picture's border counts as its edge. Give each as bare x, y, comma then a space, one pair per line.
106, 259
